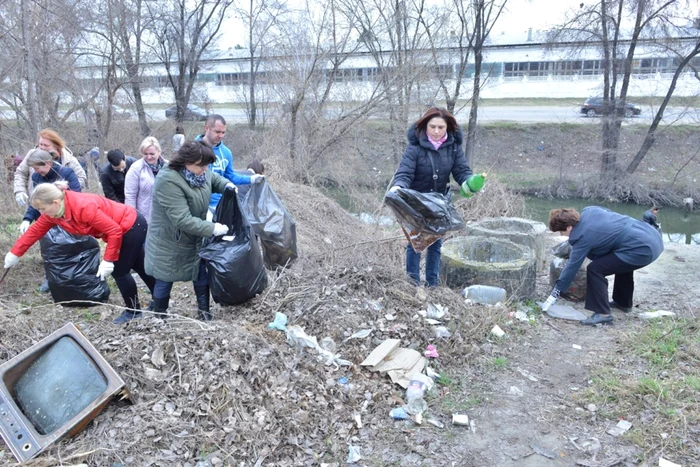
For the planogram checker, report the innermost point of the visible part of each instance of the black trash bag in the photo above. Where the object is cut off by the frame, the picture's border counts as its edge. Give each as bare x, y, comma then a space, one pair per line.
428, 213
71, 263
235, 266
272, 223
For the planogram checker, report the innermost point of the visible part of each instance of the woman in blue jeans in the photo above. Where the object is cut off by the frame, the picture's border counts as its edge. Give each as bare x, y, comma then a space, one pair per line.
434, 152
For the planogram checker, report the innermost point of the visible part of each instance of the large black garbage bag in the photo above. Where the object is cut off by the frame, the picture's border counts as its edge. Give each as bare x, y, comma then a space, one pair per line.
272, 223
424, 217
71, 263
234, 262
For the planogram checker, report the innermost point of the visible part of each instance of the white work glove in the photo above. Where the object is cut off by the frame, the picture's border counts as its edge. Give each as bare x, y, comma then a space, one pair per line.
394, 188
220, 229
231, 186
549, 302
106, 268
21, 198
257, 178
23, 227
11, 260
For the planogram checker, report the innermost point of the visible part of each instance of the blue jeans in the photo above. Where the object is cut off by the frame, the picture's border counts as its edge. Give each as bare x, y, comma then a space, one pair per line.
432, 264
162, 288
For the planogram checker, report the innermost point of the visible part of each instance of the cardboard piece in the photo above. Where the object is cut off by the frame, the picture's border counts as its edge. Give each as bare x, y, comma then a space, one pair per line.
619, 429
380, 352
399, 363
565, 312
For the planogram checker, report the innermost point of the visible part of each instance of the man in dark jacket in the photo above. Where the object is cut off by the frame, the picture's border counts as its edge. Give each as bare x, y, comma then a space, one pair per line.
650, 218
113, 173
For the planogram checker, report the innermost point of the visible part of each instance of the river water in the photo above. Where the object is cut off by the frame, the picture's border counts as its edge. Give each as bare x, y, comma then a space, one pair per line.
678, 225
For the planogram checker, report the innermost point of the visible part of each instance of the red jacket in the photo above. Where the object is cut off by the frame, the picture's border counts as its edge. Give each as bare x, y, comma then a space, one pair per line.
86, 214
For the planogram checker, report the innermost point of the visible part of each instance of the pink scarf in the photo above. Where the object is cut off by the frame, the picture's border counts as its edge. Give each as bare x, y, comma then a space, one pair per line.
438, 143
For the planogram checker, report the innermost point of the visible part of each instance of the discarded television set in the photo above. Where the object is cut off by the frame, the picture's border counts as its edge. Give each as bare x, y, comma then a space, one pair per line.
53, 389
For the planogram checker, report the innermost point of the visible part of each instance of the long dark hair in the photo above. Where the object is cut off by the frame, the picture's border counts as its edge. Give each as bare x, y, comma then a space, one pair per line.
422, 123
192, 152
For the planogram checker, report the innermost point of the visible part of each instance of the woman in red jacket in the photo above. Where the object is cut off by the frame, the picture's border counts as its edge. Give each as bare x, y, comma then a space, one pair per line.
120, 226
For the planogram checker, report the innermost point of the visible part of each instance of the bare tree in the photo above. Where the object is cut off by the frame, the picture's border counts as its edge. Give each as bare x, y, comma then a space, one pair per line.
184, 30
606, 23
260, 17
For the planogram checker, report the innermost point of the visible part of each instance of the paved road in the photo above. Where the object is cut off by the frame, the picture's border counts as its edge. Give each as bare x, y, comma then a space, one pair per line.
520, 114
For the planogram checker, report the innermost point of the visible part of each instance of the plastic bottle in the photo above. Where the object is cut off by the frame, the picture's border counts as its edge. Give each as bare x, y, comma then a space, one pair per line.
484, 294
417, 387
473, 184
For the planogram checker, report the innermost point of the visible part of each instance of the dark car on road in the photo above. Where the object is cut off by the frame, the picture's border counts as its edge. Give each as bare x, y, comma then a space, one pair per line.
596, 106
192, 113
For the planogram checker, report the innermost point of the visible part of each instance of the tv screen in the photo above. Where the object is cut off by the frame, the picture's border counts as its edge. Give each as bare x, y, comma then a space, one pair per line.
58, 385
54, 389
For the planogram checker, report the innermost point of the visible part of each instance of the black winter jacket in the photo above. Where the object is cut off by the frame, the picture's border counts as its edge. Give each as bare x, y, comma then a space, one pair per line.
425, 169
113, 180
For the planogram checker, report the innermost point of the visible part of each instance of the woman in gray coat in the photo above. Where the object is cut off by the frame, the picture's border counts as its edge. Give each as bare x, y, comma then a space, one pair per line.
616, 244
180, 203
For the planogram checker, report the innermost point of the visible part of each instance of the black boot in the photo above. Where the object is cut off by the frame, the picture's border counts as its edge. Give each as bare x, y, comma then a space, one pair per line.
126, 316
202, 293
160, 307
597, 318
624, 309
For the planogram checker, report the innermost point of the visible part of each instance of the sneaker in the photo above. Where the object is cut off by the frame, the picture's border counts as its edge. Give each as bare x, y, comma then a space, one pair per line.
597, 318
44, 287
127, 316
614, 304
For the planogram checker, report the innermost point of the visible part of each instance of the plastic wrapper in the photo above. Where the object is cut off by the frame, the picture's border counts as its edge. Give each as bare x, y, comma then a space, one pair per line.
234, 262
424, 217
272, 223
71, 263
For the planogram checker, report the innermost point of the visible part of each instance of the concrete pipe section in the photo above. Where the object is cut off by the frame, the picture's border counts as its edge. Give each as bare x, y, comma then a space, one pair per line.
526, 232
489, 261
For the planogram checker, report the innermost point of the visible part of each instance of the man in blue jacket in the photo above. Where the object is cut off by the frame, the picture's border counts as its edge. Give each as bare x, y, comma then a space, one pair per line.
616, 244
214, 131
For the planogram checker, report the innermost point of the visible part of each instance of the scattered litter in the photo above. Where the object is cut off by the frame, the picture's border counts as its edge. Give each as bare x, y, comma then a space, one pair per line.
543, 452
592, 407
398, 363
442, 332
431, 352
432, 373
389, 317
417, 387
497, 331
279, 323
619, 429
515, 391
296, 337
432, 322
436, 423
360, 334
433, 311
375, 305
485, 294
656, 314
354, 455
664, 463
398, 414
564, 312
576, 346
527, 374
343, 380
460, 419
358, 420
521, 316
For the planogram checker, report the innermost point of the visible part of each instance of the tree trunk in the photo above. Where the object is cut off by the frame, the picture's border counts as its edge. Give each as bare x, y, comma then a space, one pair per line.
29, 64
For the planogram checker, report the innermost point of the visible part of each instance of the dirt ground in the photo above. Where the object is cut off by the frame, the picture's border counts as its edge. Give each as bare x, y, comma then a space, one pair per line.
233, 392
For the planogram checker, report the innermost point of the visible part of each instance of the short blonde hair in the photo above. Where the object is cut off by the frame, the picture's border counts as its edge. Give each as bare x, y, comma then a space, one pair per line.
147, 143
47, 193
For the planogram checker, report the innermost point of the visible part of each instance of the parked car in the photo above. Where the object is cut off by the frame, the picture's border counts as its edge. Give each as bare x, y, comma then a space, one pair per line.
192, 113
595, 105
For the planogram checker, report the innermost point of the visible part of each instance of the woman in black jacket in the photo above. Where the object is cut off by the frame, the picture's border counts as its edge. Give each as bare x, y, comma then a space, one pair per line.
434, 152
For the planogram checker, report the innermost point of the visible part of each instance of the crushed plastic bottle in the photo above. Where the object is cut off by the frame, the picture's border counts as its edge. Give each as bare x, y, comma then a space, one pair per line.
417, 387
484, 294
